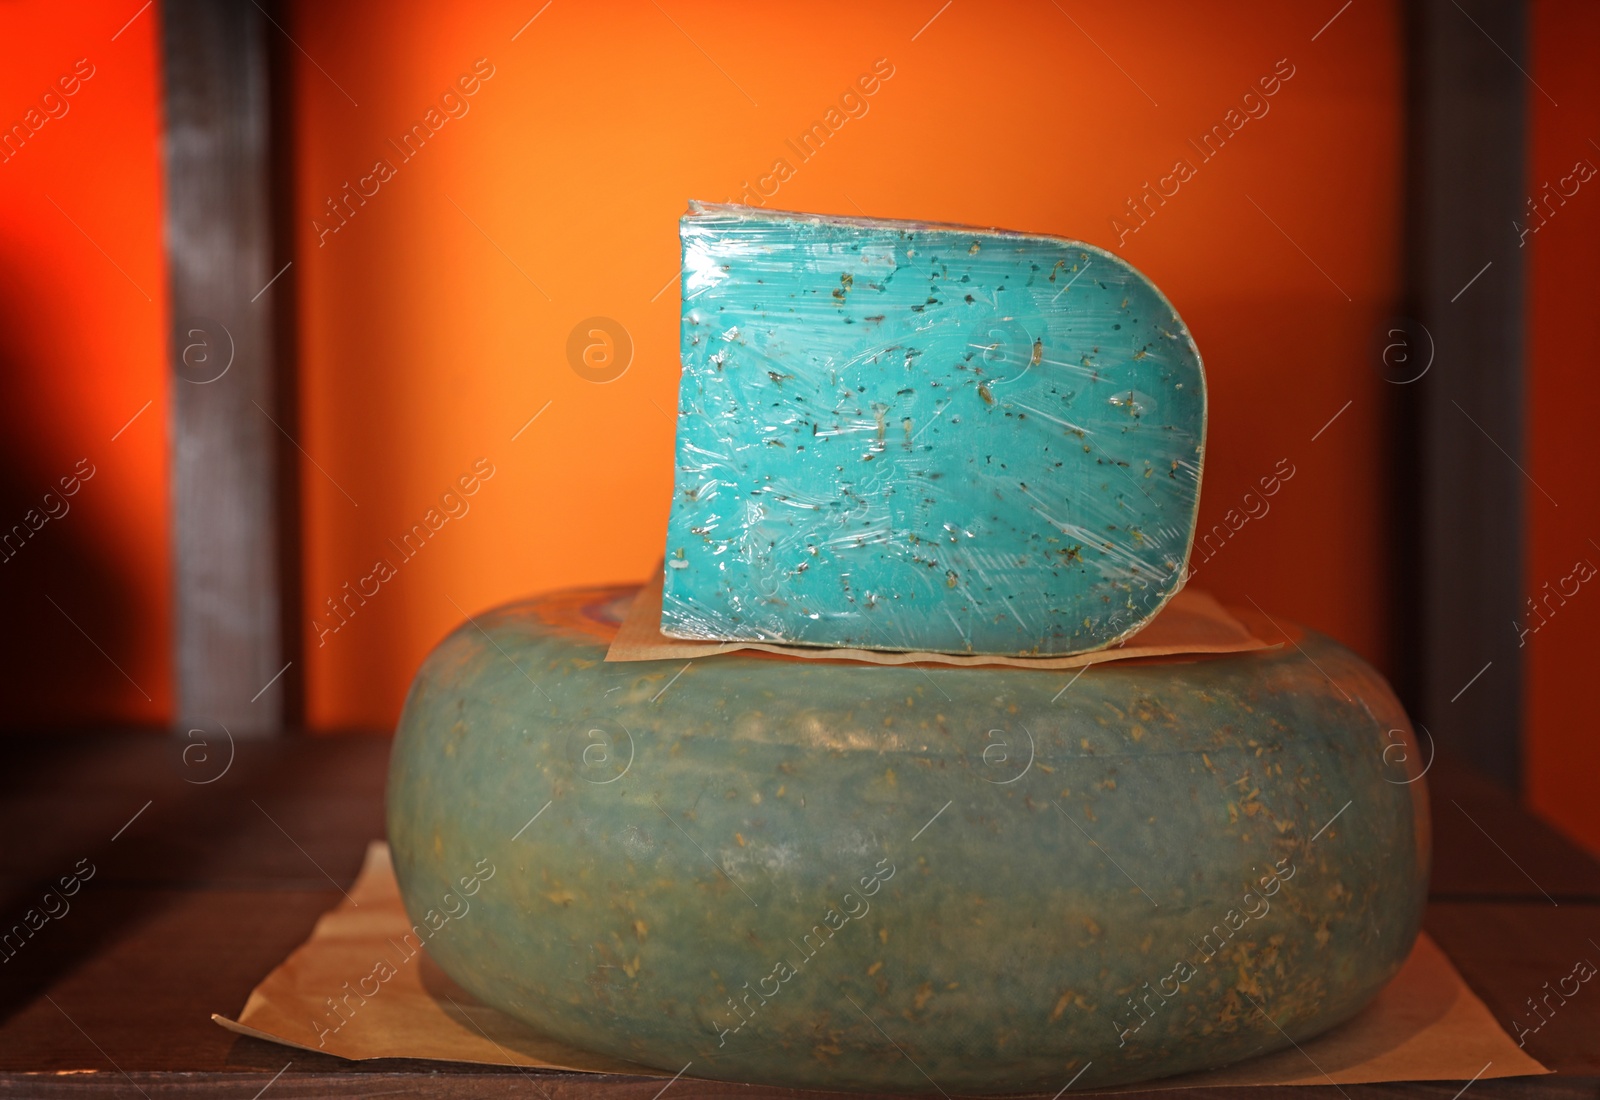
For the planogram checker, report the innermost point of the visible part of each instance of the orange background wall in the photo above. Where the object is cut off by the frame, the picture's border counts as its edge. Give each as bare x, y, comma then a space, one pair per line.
436, 318
435, 321
1561, 749
82, 337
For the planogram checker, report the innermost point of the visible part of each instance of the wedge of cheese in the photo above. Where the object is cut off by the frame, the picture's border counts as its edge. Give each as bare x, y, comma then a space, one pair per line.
895, 435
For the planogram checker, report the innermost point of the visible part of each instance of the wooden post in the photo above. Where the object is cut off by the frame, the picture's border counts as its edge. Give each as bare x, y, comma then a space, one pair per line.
227, 421
1460, 520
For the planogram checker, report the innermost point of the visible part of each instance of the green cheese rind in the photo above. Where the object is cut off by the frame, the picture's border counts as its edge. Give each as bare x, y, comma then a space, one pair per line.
1003, 864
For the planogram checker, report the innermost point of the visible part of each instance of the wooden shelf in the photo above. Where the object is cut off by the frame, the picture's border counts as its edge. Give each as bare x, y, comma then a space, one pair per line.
212, 884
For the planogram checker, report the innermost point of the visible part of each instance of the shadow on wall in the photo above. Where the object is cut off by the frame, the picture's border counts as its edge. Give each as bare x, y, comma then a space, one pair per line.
67, 598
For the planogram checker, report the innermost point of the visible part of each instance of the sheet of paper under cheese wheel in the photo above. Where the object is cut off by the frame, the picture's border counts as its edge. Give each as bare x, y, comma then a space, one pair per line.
961, 880
894, 435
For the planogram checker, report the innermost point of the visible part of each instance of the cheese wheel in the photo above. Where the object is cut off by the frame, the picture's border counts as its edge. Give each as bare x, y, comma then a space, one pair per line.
840, 875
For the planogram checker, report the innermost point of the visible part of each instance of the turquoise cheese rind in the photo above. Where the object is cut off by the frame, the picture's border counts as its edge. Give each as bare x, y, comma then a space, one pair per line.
848, 876
895, 435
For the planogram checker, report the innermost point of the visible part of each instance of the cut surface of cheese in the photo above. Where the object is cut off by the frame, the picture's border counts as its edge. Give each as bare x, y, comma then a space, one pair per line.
897, 435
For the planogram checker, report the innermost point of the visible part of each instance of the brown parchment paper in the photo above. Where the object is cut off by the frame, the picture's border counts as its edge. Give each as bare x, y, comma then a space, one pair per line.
1426, 1025
1192, 623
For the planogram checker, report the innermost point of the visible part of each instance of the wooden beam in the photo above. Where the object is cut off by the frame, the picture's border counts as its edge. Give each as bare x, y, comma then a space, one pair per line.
228, 424
1461, 522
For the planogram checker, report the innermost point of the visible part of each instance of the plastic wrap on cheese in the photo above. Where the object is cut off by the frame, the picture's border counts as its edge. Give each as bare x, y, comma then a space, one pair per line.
909, 436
